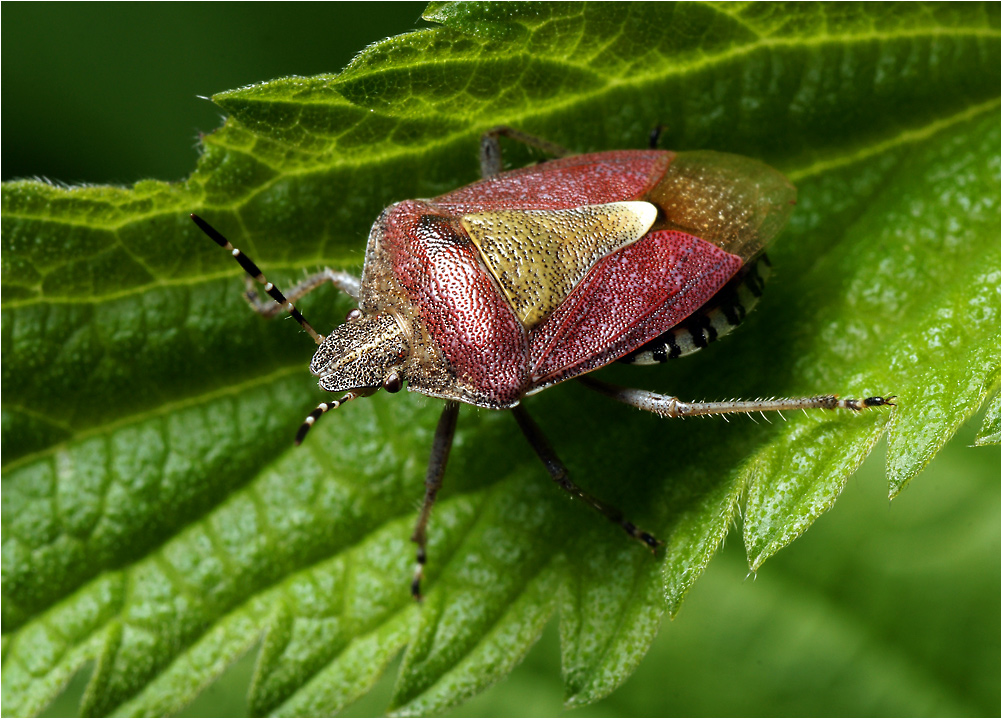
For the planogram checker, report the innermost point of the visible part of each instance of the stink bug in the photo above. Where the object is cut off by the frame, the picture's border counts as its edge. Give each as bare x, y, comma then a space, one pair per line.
527, 278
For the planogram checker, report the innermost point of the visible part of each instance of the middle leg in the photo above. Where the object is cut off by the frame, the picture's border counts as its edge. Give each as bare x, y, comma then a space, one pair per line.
560, 475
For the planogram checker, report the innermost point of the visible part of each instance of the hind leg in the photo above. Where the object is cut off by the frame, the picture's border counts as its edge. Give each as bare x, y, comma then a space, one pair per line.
668, 406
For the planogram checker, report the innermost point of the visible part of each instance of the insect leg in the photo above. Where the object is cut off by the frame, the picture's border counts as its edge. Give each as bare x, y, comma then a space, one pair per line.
673, 407
433, 482
559, 474
655, 137
490, 148
254, 271
344, 281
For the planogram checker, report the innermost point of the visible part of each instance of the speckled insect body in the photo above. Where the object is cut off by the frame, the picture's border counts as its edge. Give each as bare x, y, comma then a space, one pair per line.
531, 277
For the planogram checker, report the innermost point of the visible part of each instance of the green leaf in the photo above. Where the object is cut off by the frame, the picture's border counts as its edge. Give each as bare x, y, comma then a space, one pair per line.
158, 525
853, 620
990, 428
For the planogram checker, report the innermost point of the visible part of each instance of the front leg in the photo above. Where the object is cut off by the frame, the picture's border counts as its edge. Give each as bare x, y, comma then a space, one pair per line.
344, 281
254, 274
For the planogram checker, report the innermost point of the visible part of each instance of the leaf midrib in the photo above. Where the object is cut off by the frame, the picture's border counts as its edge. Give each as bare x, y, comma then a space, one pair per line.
905, 137
680, 67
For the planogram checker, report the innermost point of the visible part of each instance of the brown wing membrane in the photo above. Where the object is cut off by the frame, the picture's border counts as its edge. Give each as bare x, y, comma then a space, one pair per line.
737, 203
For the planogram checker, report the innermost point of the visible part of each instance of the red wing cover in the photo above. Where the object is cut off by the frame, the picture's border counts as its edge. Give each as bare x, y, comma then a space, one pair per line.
561, 184
628, 298
439, 268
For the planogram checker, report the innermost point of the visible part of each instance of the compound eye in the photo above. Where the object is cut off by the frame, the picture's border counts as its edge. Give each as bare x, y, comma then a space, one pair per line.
355, 314
393, 383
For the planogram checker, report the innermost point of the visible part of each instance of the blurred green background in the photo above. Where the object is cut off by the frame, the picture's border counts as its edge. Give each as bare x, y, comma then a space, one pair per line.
109, 92
879, 610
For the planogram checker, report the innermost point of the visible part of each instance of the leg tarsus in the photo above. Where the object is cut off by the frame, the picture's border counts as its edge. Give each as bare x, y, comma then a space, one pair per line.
560, 475
858, 405
440, 447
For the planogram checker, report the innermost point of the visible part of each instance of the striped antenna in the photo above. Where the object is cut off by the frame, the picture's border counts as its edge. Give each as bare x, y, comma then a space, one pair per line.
254, 271
325, 407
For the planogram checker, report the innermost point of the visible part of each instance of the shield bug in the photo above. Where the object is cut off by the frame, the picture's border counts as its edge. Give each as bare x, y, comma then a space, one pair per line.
527, 278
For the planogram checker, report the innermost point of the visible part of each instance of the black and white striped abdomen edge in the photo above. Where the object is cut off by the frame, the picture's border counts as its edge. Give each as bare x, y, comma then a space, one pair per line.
725, 311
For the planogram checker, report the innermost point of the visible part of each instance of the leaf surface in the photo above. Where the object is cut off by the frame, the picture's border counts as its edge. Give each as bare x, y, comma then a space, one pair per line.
157, 522
991, 428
